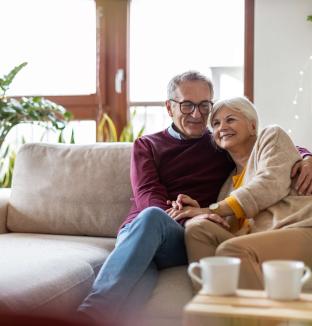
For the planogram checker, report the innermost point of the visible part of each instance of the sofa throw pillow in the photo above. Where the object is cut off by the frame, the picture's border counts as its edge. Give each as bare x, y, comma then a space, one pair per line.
70, 189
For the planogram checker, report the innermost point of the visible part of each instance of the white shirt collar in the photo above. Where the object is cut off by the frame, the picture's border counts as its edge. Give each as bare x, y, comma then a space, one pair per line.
174, 133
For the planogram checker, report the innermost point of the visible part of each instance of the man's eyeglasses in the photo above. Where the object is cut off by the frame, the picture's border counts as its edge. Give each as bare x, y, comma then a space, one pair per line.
188, 107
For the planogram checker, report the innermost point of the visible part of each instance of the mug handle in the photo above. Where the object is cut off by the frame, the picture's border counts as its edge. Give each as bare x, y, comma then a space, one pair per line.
306, 275
190, 271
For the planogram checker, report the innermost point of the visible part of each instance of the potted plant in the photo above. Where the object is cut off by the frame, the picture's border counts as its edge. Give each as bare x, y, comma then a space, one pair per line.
13, 111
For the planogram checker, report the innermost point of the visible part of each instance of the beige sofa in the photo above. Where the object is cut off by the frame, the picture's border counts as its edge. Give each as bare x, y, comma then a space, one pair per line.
58, 224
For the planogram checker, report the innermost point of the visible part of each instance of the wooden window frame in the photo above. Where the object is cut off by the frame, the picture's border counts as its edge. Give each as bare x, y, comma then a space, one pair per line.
113, 53
249, 49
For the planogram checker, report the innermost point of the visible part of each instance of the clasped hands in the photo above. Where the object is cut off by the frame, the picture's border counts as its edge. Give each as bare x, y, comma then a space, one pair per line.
184, 207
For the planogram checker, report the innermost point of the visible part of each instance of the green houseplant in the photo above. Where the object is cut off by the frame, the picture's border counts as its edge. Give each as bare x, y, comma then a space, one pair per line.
24, 110
27, 109
107, 131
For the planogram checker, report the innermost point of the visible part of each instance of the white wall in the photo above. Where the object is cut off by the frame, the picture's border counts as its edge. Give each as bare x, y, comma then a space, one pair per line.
283, 47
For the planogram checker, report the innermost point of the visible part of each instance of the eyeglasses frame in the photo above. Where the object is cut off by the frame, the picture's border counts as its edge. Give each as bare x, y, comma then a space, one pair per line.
194, 106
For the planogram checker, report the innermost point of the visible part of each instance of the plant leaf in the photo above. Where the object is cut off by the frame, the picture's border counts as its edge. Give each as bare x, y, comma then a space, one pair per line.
6, 81
72, 137
106, 130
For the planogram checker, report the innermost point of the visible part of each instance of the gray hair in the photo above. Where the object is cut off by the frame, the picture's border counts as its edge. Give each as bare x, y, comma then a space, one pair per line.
240, 104
191, 75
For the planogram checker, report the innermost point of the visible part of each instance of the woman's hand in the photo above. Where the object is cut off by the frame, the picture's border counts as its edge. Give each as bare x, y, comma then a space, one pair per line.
183, 200
186, 212
303, 169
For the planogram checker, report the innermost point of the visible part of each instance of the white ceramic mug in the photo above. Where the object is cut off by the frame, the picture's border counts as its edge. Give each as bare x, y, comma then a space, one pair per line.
283, 279
219, 275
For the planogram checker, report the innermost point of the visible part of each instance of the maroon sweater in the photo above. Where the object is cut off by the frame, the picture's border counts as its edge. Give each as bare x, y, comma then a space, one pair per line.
163, 167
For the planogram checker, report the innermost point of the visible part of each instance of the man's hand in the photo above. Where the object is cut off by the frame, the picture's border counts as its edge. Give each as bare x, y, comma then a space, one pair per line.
303, 169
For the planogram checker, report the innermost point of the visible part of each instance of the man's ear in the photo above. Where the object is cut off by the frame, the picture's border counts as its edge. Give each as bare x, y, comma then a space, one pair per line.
169, 109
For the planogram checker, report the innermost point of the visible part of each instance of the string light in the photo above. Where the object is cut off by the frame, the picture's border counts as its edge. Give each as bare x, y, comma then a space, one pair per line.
300, 88
301, 73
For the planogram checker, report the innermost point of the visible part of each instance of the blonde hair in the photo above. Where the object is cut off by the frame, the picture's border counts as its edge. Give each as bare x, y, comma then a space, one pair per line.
240, 104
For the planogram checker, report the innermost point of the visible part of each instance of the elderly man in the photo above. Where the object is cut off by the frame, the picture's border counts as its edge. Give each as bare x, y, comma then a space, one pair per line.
180, 159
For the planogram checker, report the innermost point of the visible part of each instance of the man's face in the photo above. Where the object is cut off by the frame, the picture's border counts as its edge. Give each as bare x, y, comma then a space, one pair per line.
191, 125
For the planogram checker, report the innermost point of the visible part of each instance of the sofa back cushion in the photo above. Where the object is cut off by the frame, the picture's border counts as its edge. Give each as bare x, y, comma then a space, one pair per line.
70, 189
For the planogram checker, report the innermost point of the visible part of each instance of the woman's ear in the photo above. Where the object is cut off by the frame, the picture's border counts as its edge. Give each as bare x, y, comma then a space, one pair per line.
169, 109
253, 128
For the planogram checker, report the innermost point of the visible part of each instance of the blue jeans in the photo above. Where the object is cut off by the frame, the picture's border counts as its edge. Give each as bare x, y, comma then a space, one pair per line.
152, 241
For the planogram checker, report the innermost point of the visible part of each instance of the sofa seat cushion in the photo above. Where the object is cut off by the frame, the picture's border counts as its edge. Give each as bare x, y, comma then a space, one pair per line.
48, 274
172, 293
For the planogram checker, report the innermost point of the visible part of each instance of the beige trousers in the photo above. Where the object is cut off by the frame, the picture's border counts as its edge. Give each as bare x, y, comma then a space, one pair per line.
204, 238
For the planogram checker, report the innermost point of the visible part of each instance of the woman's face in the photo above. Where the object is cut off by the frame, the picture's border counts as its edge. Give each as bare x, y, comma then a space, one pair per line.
232, 130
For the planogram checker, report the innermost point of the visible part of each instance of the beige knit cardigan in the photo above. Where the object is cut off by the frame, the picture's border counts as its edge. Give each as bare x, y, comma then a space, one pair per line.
266, 196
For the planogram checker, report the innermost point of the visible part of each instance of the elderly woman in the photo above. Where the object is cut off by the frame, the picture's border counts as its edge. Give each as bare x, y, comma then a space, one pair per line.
258, 215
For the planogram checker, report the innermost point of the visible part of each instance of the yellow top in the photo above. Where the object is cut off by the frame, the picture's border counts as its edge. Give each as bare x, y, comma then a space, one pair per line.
238, 181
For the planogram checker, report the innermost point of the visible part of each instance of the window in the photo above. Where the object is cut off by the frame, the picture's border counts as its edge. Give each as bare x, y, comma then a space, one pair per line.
58, 40
83, 57
170, 37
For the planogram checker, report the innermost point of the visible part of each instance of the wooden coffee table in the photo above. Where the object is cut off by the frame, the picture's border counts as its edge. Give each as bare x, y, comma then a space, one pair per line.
247, 308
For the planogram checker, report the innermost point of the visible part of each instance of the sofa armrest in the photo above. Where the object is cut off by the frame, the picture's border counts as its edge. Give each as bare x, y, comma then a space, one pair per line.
4, 204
